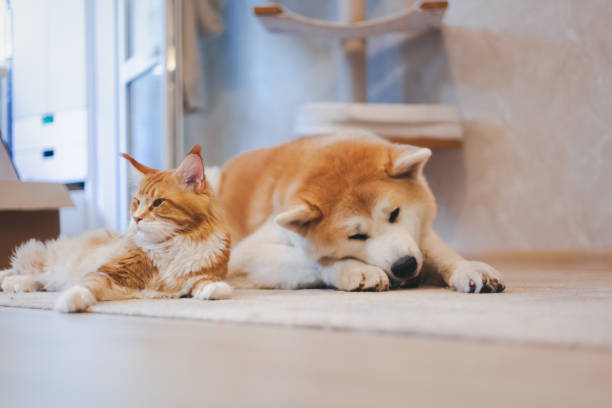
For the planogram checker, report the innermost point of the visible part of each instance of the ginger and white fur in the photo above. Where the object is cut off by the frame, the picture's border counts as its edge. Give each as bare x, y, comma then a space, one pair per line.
166, 252
292, 209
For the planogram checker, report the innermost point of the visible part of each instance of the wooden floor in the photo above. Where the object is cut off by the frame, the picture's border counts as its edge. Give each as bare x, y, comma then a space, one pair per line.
89, 360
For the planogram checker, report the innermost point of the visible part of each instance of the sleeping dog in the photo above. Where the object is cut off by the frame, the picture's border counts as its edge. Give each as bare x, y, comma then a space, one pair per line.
350, 211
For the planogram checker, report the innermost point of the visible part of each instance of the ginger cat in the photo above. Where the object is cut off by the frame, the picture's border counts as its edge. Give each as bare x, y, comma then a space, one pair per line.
177, 244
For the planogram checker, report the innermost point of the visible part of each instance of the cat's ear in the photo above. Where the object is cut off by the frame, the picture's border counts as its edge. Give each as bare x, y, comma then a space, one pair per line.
138, 166
190, 173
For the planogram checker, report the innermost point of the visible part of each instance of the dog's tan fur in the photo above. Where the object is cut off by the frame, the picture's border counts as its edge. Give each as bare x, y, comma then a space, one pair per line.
310, 188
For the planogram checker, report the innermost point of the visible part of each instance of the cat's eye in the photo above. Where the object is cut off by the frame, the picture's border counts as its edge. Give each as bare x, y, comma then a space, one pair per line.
359, 237
394, 214
137, 201
158, 202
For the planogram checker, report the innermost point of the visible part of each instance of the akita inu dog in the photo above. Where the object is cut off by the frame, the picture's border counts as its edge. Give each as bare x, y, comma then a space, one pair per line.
351, 211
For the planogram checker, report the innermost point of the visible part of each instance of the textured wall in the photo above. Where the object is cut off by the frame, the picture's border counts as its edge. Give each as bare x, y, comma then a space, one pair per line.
534, 84
533, 81
253, 81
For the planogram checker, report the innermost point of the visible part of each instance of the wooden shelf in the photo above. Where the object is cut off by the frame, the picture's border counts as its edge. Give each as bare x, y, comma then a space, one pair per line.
429, 142
433, 126
422, 16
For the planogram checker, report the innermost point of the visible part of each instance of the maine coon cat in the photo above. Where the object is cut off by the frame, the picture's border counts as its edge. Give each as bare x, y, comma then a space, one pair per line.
177, 244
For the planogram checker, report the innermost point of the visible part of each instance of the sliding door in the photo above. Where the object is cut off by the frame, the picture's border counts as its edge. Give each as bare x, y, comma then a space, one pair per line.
150, 99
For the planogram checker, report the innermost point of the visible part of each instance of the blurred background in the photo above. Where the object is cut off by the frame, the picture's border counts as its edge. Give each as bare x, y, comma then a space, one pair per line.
82, 80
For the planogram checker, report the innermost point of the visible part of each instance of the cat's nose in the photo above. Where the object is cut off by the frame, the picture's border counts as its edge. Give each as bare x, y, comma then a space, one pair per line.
137, 219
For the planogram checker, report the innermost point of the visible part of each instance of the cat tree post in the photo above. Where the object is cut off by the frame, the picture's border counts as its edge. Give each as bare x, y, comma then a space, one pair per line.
354, 49
433, 126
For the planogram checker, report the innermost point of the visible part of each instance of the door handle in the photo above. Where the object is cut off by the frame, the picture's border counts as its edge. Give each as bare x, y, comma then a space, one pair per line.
48, 153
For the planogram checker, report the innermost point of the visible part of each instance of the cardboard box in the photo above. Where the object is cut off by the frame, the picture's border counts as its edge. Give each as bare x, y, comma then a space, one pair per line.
27, 209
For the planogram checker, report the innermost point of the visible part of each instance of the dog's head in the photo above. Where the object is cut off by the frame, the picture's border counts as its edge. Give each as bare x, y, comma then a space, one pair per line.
365, 201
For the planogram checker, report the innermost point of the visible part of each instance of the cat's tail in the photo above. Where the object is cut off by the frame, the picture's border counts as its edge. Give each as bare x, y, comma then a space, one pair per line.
213, 177
4, 274
29, 258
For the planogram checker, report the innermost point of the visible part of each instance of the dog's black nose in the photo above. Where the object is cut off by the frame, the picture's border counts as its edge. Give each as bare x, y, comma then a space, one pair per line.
404, 267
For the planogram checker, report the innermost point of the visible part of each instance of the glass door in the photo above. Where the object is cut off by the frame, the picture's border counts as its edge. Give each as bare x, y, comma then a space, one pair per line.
6, 36
150, 99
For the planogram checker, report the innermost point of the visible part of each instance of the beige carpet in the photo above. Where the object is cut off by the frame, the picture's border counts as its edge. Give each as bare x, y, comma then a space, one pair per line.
543, 304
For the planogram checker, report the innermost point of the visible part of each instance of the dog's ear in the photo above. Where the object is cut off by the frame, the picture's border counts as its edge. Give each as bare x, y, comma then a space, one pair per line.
407, 161
299, 217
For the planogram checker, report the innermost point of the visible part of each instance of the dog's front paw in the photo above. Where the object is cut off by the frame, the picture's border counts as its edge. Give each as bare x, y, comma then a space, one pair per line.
475, 277
75, 299
360, 276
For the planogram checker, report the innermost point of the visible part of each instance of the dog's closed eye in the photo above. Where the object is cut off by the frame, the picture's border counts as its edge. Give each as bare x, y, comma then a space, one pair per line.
360, 237
394, 214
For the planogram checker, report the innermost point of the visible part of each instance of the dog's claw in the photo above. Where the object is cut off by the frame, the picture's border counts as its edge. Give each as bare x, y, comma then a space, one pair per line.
475, 277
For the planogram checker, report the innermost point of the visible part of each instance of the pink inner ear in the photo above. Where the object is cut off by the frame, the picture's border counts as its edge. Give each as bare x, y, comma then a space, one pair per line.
191, 171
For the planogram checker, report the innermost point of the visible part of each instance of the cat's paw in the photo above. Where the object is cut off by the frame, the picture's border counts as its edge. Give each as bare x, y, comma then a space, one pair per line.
20, 283
476, 277
213, 291
4, 274
75, 299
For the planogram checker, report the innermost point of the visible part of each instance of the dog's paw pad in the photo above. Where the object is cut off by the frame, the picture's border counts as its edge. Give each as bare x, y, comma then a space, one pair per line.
75, 299
476, 277
20, 283
213, 291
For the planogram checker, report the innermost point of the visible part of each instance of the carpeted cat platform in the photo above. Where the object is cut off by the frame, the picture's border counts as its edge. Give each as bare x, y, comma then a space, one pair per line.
543, 304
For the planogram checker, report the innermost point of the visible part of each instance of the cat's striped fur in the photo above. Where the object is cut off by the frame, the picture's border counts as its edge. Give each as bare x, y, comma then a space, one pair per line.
177, 244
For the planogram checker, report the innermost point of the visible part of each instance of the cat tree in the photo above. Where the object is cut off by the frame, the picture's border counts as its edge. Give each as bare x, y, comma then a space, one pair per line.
433, 126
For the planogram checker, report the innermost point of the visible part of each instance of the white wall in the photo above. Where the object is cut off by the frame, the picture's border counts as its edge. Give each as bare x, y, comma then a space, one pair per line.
50, 90
532, 80
50, 81
105, 174
49, 56
253, 82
